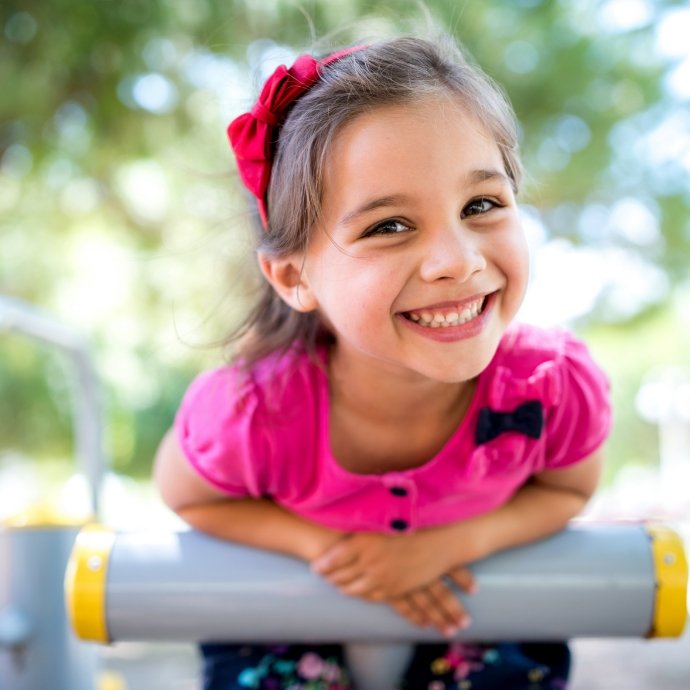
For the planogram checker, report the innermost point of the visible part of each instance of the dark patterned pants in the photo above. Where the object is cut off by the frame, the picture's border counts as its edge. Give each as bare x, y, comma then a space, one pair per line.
456, 666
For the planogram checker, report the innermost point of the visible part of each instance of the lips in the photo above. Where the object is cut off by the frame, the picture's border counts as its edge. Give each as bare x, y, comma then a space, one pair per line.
448, 315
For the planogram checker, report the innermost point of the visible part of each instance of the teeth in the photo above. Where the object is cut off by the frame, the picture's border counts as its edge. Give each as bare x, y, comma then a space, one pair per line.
452, 318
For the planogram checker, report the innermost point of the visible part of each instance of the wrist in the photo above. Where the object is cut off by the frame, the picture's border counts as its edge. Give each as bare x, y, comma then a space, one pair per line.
464, 542
317, 542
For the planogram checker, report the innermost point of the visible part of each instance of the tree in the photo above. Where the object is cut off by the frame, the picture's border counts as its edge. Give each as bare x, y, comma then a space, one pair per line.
119, 211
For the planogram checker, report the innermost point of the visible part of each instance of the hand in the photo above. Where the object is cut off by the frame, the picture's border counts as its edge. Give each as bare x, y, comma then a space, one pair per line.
437, 605
380, 567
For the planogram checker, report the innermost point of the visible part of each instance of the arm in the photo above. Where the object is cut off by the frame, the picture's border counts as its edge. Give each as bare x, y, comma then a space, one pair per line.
543, 506
380, 567
266, 525
255, 522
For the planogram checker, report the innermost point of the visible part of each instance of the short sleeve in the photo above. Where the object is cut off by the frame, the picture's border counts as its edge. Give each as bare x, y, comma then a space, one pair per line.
580, 419
219, 433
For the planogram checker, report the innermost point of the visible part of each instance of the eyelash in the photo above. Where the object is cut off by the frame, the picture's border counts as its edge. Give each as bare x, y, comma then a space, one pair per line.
480, 201
378, 229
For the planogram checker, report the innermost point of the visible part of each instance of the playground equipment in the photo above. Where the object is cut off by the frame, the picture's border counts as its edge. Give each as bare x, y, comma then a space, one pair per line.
603, 580
613, 580
37, 647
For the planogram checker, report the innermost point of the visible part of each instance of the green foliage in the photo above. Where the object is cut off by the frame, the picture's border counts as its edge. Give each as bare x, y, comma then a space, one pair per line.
119, 212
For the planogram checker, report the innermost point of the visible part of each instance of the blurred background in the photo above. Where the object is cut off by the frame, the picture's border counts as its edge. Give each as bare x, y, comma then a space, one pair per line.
121, 215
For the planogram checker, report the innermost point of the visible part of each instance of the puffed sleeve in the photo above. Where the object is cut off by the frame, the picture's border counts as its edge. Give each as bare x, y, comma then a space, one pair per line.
220, 433
580, 419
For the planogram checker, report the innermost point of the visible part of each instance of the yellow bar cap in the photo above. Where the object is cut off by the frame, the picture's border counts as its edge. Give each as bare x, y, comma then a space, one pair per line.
671, 571
85, 583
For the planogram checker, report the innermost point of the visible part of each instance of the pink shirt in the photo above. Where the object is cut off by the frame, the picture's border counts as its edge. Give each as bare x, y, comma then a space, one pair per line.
266, 434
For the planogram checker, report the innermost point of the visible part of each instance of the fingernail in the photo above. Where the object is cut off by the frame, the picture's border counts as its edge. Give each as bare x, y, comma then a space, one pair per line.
450, 631
465, 622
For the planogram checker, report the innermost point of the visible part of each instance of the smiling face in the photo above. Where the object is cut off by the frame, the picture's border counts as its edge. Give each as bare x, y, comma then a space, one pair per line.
419, 262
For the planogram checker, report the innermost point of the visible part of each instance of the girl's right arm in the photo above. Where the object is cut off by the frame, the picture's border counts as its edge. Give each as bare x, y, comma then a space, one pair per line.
255, 522
262, 523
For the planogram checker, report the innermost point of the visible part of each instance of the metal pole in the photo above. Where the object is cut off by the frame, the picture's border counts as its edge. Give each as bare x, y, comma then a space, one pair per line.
593, 581
37, 647
16, 316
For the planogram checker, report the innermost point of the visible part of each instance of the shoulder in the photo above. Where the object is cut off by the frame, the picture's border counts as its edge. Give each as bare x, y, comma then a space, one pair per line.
232, 419
269, 383
545, 360
525, 347
556, 368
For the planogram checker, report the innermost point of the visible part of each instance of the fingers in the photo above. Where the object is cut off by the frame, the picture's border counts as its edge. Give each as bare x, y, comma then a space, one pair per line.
350, 579
442, 608
337, 557
407, 608
344, 576
447, 603
464, 579
362, 587
433, 606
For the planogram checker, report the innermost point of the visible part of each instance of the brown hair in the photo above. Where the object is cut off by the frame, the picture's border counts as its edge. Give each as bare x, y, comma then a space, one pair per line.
398, 71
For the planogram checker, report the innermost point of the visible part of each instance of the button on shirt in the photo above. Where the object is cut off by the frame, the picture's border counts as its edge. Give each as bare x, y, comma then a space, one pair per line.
266, 434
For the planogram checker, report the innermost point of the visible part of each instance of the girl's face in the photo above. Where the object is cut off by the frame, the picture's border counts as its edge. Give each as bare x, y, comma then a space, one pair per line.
419, 262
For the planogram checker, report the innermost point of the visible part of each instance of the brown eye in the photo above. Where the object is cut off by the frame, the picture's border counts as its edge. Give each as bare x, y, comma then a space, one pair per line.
477, 207
388, 227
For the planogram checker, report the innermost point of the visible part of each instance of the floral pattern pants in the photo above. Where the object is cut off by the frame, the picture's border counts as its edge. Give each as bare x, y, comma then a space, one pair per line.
454, 666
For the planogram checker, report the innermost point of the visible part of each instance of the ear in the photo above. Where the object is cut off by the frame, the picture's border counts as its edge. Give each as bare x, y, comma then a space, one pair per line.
286, 276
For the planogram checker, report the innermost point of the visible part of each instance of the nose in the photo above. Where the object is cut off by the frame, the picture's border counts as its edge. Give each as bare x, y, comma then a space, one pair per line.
451, 253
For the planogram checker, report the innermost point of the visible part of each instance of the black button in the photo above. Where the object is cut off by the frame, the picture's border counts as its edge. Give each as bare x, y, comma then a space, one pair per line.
398, 490
399, 525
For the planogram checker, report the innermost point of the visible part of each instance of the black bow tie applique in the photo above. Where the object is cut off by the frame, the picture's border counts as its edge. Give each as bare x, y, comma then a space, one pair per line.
527, 419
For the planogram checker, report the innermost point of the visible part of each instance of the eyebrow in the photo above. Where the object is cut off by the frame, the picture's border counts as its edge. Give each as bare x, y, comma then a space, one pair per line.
475, 177
372, 205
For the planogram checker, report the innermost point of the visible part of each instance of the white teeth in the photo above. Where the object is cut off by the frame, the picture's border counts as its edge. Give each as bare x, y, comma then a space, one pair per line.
452, 318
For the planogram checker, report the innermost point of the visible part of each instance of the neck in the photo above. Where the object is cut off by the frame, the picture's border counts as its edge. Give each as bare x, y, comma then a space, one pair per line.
372, 390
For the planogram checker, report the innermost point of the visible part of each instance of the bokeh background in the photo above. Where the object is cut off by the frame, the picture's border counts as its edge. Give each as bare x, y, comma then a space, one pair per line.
120, 212
121, 217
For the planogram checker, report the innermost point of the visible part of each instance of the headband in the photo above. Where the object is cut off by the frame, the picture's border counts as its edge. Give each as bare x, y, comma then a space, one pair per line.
252, 135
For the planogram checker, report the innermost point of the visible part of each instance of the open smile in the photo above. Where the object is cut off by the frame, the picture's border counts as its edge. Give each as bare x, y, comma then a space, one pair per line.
450, 322
448, 315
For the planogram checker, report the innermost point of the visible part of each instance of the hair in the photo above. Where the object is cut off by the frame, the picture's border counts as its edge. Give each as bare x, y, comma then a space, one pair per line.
394, 72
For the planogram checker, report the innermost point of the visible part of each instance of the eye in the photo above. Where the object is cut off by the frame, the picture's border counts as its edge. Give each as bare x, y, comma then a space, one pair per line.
477, 207
387, 227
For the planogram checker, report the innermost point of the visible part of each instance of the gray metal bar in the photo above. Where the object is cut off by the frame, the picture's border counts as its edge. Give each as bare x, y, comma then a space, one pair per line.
20, 317
38, 649
586, 581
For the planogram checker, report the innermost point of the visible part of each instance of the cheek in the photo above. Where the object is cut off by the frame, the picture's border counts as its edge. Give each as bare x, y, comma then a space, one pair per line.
518, 274
515, 254
521, 257
361, 299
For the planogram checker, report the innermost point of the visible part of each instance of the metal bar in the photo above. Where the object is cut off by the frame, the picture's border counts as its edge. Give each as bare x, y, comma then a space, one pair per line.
17, 316
586, 581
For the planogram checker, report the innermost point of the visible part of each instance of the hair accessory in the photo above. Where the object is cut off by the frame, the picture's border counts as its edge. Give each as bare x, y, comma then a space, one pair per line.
527, 419
252, 135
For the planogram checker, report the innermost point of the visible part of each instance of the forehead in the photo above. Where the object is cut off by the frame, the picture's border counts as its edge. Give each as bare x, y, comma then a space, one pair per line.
406, 149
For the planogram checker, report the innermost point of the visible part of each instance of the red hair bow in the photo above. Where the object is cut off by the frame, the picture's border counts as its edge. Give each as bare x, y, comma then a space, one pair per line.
253, 134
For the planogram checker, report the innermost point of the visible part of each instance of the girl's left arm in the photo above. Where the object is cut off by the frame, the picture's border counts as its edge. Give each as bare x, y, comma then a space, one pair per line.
380, 567
541, 507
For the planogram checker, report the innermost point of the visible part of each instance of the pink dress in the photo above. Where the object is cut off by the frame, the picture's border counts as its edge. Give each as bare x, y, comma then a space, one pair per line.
266, 434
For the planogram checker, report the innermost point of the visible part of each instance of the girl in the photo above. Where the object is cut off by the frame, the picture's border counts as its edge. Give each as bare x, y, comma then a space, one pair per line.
385, 420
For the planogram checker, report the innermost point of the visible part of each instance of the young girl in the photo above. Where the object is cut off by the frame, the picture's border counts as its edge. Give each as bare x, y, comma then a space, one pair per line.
385, 420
